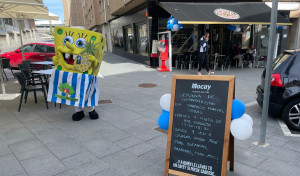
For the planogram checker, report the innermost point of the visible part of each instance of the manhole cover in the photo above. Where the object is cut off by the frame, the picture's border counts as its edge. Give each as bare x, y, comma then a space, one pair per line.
147, 85
105, 101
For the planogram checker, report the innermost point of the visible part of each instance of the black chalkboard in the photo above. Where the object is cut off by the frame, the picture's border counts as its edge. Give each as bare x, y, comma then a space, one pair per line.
199, 124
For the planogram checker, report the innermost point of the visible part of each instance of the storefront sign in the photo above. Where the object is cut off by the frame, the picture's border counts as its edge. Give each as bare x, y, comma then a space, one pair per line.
227, 14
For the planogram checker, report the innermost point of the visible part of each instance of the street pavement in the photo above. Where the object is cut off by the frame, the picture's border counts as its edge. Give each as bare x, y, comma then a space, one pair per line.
123, 142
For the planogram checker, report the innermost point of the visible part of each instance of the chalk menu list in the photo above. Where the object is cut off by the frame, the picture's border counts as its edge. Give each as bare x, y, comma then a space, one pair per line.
198, 126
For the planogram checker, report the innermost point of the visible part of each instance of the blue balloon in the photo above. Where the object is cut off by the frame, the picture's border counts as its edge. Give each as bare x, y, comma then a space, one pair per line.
163, 120
180, 26
175, 21
280, 27
169, 26
233, 28
238, 109
268, 25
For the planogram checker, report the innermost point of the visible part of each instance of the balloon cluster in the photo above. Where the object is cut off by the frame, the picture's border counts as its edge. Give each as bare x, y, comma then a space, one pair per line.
173, 24
241, 124
163, 119
235, 28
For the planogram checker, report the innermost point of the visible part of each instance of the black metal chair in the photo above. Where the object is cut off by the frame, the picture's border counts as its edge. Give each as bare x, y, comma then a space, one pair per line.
27, 72
6, 65
27, 86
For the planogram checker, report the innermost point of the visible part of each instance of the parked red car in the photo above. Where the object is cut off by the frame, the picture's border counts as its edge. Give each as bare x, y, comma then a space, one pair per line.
32, 51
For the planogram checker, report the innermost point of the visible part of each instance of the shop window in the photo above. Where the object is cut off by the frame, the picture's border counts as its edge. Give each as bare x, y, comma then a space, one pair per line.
128, 39
142, 39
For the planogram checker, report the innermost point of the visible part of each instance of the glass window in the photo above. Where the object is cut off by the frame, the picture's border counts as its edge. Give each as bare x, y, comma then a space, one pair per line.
279, 59
27, 48
142, 39
2, 28
50, 49
128, 39
40, 49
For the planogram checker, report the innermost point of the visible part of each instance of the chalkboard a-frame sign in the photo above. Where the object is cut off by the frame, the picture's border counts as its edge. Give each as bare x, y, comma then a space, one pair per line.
199, 125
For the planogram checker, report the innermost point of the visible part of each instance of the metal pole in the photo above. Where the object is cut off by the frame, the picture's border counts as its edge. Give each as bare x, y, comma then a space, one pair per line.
272, 36
1, 75
21, 37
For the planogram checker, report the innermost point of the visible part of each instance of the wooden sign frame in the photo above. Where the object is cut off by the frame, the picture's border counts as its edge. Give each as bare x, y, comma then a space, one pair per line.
228, 138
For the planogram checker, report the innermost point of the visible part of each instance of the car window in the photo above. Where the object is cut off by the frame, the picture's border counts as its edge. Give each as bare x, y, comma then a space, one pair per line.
279, 59
27, 48
40, 49
294, 68
50, 49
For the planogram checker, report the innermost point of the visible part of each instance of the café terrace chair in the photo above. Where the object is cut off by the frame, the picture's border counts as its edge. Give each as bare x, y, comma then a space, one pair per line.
28, 86
6, 65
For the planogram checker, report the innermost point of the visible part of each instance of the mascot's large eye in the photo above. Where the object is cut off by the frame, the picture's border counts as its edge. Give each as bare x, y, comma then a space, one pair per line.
80, 43
68, 39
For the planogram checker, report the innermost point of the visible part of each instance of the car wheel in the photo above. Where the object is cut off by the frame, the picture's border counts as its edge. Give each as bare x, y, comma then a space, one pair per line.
291, 114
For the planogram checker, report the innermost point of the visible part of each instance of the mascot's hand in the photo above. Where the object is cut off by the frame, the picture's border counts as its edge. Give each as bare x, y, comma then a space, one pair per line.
93, 60
55, 60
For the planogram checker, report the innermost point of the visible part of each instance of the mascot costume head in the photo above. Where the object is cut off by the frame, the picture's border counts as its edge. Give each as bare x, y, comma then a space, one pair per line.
77, 62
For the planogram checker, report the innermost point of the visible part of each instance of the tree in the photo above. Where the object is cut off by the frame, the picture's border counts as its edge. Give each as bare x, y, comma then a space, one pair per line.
66, 88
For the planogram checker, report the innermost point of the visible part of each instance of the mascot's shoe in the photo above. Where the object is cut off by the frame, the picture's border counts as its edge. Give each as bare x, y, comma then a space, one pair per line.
78, 116
93, 115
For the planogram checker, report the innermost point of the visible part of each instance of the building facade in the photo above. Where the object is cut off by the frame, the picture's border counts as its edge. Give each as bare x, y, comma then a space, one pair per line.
130, 26
10, 33
73, 13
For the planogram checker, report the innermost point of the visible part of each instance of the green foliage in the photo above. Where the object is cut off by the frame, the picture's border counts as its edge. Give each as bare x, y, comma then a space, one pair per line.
52, 31
66, 86
90, 48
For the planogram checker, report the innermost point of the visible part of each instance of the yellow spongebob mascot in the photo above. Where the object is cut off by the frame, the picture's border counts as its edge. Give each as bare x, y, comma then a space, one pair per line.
77, 62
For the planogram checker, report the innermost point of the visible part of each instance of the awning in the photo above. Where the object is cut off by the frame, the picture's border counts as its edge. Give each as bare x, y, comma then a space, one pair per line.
222, 13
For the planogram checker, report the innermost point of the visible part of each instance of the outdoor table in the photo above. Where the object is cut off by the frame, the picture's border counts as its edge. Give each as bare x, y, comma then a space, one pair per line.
45, 72
45, 64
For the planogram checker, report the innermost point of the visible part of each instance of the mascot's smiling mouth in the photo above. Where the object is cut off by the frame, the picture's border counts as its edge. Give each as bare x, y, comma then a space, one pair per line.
69, 58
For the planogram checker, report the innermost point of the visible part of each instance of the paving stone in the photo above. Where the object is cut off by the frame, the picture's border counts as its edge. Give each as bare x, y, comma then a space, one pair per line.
293, 145
64, 148
245, 144
150, 114
101, 147
244, 170
28, 149
156, 156
78, 160
129, 168
144, 133
4, 150
89, 168
160, 141
66, 173
113, 134
67, 125
128, 142
17, 135
279, 168
290, 156
248, 157
45, 165
10, 166
119, 158
36, 126
50, 135
140, 149
28, 116
152, 170
22, 174
109, 172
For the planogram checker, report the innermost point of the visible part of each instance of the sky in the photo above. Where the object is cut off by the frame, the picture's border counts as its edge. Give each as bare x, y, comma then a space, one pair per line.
56, 7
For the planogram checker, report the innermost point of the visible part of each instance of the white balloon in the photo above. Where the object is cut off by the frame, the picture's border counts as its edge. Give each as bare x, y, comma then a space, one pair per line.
241, 129
238, 29
175, 27
247, 118
172, 21
165, 102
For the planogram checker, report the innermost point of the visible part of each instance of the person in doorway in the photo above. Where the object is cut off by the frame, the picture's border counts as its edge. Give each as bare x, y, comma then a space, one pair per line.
237, 51
203, 54
251, 53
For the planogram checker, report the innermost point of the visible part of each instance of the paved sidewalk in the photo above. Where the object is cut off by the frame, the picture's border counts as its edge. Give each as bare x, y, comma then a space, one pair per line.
41, 142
